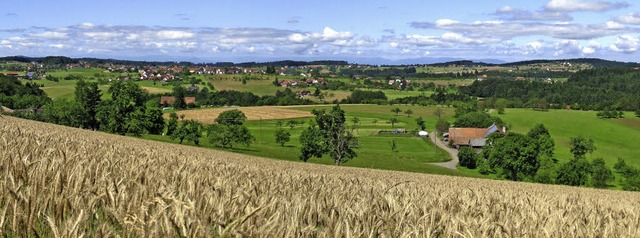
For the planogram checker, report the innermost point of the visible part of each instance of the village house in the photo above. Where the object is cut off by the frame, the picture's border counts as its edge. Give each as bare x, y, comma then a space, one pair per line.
471, 137
303, 93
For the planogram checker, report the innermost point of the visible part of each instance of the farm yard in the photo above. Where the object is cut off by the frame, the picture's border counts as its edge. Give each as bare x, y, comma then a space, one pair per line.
66, 182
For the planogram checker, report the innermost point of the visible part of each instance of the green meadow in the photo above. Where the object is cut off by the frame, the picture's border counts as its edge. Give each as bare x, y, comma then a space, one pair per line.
414, 154
613, 138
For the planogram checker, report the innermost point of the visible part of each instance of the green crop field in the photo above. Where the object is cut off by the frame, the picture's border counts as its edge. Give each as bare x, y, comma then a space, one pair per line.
414, 154
613, 138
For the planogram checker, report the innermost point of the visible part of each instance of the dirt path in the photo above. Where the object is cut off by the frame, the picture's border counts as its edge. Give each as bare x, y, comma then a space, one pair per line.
453, 152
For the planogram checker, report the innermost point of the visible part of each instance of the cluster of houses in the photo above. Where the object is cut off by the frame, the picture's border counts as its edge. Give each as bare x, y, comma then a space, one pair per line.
302, 82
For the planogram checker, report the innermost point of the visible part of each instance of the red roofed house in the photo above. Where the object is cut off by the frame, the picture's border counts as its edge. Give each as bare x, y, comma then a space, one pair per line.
169, 100
472, 137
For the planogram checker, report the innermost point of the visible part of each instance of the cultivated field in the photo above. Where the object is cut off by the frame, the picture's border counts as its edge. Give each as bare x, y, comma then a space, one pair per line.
252, 113
66, 182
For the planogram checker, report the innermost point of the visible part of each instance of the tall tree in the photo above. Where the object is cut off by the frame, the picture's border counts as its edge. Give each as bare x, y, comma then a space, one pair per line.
577, 170
282, 136
230, 130
438, 112
442, 126
600, 173
396, 111
337, 138
516, 155
88, 96
581, 146
409, 112
393, 121
542, 138
125, 111
179, 93
420, 123
172, 124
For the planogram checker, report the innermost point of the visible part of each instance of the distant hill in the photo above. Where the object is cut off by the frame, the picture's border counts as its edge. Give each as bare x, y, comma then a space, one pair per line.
372, 61
592, 61
67, 60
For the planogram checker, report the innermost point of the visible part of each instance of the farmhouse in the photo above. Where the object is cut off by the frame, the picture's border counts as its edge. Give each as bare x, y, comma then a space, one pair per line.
169, 100
472, 137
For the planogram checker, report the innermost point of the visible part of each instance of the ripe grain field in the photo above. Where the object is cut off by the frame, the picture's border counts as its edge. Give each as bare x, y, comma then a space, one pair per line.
66, 182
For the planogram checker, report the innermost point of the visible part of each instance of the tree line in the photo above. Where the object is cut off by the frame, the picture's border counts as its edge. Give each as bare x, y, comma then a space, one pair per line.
592, 89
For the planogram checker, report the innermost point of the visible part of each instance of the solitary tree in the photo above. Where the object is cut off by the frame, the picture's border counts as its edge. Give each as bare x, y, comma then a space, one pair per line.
409, 112
282, 137
442, 125
396, 111
88, 96
438, 112
394, 146
393, 121
179, 94
338, 141
420, 123
230, 130
581, 146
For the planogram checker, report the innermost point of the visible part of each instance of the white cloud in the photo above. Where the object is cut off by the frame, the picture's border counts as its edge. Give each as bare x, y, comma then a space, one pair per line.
625, 44
510, 13
633, 18
509, 30
533, 48
588, 50
102, 35
579, 5
86, 25
614, 25
58, 46
174, 34
51, 35
329, 34
445, 22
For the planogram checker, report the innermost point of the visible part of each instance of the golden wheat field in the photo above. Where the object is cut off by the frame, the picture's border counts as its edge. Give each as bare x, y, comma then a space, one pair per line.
66, 182
253, 113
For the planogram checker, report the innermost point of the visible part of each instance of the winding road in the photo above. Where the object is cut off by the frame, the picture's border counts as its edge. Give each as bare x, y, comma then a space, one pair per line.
453, 152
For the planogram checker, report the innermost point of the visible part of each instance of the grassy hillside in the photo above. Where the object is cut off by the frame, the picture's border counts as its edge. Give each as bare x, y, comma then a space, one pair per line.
414, 154
67, 182
613, 138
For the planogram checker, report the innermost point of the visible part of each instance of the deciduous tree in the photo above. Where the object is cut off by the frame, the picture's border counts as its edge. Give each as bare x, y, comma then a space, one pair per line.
338, 141
282, 137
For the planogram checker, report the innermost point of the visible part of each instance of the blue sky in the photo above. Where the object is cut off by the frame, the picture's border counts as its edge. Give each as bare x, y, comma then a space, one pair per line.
239, 30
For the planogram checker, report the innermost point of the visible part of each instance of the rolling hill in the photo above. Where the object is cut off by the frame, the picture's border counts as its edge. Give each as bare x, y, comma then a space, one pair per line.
66, 182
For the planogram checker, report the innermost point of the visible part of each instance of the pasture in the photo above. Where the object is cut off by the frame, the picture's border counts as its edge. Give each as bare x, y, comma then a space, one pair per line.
85, 183
414, 154
613, 138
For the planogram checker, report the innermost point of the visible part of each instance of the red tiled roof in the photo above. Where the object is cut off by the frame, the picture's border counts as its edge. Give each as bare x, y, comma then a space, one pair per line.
462, 136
